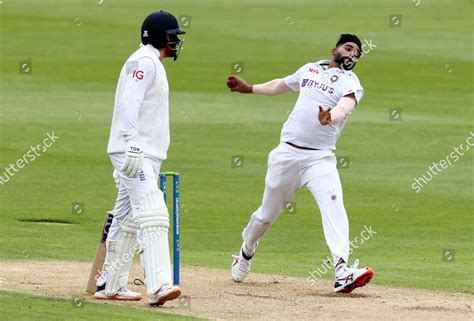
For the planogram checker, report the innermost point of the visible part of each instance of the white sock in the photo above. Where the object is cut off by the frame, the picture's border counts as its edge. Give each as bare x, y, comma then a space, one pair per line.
248, 251
340, 267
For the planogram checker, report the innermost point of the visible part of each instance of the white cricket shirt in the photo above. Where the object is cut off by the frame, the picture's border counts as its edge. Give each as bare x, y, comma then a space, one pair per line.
318, 86
141, 112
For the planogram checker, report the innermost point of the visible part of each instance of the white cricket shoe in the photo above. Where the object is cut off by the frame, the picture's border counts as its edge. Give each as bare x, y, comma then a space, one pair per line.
240, 267
164, 294
123, 294
350, 277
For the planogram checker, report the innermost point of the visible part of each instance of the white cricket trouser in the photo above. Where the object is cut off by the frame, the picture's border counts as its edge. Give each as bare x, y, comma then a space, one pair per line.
132, 190
289, 169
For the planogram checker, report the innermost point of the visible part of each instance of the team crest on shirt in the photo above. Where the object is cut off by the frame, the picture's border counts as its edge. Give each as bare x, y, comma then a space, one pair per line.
131, 66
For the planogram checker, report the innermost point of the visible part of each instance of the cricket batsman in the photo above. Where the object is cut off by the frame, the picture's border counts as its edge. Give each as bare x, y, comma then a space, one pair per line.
329, 91
138, 144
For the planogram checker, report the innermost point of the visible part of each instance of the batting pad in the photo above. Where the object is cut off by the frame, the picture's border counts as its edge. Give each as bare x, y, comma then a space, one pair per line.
154, 223
111, 247
123, 258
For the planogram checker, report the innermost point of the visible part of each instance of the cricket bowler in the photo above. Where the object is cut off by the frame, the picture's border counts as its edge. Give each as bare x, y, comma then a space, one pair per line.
138, 144
329, 91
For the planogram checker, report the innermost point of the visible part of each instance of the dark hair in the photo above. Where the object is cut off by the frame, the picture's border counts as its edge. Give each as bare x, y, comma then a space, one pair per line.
349, 38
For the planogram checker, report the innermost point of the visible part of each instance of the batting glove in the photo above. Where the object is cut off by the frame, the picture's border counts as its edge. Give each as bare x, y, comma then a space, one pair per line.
133, 161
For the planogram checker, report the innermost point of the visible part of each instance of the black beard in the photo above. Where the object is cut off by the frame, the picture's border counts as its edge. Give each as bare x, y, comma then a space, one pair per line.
346, 63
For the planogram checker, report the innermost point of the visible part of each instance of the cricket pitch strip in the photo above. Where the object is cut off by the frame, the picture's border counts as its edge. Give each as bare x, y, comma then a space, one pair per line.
210, 293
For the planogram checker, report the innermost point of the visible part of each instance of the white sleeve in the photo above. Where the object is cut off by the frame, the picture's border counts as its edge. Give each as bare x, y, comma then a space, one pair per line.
352, 85
138, 80
293, 81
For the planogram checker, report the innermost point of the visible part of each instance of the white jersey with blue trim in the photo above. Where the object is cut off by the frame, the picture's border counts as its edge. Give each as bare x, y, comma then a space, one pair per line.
318, 85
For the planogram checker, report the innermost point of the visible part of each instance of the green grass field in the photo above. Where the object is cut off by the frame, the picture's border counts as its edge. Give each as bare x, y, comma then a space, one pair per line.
423, 67
38, 308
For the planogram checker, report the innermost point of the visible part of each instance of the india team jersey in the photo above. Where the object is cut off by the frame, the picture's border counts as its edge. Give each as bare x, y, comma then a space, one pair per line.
318, 85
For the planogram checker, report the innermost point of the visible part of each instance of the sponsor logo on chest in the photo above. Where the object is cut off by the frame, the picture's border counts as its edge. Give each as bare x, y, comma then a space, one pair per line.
138, 74
317, 84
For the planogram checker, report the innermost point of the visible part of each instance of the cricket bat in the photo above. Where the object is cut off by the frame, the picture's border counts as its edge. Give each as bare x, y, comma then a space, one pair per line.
99, 255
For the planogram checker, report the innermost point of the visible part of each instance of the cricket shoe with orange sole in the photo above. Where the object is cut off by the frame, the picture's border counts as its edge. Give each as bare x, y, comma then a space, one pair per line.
163, 295
350, 277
